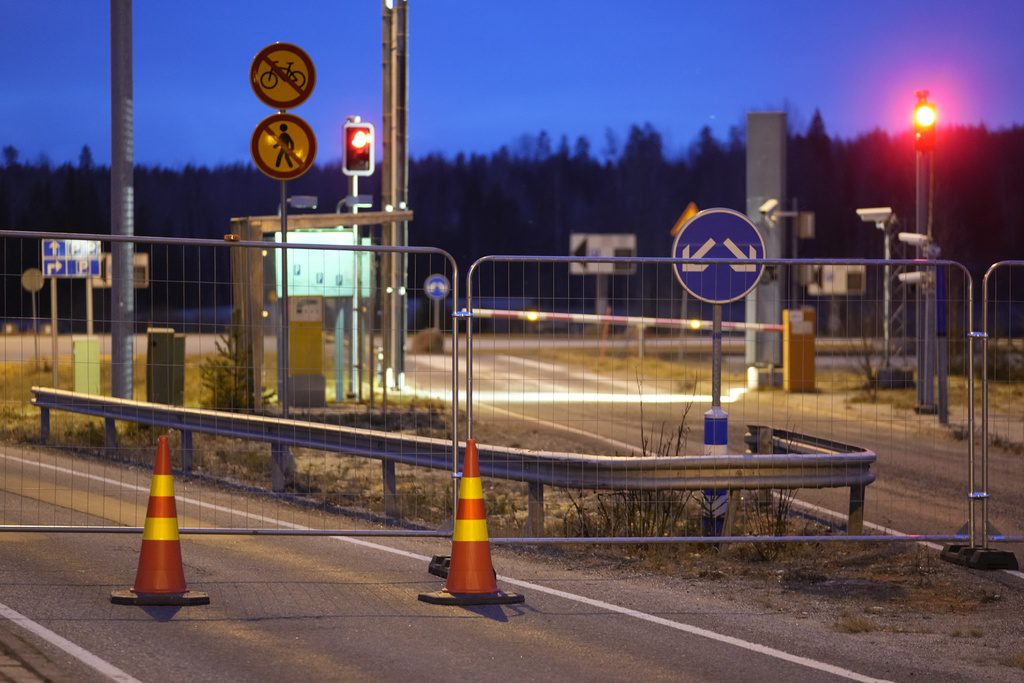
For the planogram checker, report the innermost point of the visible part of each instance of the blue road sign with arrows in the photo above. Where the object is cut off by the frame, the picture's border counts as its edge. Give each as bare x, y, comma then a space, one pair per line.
437, 286
718, 234
71, 258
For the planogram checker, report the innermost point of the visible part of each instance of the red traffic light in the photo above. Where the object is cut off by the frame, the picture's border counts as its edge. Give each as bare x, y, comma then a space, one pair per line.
357, 149
924, 116
924, 123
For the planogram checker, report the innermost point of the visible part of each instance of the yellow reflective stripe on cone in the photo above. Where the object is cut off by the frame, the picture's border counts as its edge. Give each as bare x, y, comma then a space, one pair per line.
162, 486
471, 488
470, 530
160, 529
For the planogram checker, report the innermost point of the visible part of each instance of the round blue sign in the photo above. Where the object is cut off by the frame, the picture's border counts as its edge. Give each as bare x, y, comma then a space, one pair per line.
436, 286
718, 234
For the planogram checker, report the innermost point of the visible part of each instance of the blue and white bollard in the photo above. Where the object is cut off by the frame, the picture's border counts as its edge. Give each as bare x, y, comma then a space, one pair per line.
716, 438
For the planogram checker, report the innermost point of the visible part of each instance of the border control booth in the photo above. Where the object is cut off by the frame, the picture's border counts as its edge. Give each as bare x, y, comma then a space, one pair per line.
334, 288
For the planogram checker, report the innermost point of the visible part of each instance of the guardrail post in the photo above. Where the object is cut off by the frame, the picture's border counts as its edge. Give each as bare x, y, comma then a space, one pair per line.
387, 468
535, 509
44, 424
855, 523
186, 450
278, 458
110, 436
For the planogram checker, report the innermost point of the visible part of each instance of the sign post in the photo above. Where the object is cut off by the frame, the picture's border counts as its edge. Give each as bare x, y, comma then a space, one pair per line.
717, 234
437, 287
53, 330
32, 282
283, 146
69, 259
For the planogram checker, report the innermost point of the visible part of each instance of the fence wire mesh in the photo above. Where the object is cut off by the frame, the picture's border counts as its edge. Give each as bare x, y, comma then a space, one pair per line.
204, 364
611, 358
1003, 368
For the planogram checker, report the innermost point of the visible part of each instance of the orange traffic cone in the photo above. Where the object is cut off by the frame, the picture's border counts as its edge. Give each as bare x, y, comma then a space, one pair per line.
471, 574
160, 579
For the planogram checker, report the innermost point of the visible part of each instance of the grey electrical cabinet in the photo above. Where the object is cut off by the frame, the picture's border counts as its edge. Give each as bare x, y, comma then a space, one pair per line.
165, 366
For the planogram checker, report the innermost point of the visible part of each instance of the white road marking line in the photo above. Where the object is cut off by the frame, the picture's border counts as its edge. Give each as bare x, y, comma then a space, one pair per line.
79, 653
643, 616
697, 631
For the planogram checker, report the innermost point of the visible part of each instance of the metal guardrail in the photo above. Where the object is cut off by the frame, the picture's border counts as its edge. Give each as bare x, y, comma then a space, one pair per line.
802, 461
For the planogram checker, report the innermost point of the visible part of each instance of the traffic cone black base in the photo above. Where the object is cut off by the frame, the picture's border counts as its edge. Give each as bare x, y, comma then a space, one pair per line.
186, 599
443, 597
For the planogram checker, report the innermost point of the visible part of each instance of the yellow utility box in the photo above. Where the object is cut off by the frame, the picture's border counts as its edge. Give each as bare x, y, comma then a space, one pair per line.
306, 381
306, 335
798, 328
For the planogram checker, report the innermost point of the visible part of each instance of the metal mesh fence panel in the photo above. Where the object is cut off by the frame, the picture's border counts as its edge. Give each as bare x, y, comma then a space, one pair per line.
1002, 369
347, 425
590, 381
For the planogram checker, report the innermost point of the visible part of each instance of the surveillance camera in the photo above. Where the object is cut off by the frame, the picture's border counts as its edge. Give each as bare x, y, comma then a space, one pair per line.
878, 214
914, 277
769, 206
303, 201
914, 239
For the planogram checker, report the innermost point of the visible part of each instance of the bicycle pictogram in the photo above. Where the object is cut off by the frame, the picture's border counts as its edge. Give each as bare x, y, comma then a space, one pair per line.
282, 75
269, 78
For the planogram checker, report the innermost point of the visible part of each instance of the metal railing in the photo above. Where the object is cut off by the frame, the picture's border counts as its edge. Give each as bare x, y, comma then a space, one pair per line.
193, 288
801, 467
812, 457
552, 363
1000, 328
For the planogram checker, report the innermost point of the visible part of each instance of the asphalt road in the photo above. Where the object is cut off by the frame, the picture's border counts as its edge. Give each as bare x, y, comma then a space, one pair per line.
322, 608
921, 468
346, 609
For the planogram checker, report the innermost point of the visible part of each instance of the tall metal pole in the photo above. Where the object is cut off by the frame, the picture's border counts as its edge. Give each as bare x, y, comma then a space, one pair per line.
401, 105
122, 199
886, 296
53, 331
355, 376
925, 295
282, 362
387, 182
394, 183
716, 430
35, 325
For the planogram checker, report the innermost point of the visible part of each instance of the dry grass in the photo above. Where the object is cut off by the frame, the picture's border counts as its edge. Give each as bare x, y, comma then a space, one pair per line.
1014, 660
849, 623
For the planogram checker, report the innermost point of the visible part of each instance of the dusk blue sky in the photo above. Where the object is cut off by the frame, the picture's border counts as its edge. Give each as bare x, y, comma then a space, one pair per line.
483, 73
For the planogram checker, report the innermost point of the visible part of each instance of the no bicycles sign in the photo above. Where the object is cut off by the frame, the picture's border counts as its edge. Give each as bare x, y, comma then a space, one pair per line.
282, 75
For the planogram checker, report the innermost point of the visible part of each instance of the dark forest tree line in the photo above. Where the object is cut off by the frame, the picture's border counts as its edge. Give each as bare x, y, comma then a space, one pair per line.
528, 198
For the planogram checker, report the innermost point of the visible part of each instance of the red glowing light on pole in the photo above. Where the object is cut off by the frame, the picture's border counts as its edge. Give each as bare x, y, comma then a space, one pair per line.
924, 123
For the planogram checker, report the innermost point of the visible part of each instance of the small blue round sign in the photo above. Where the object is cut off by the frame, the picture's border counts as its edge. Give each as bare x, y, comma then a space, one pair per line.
718, 234
437, 286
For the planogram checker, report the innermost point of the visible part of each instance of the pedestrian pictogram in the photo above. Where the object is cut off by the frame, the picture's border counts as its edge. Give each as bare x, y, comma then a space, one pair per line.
718, 234
283, 146
282, 75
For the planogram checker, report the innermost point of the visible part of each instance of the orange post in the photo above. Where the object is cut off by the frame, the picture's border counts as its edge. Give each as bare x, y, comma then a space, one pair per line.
471, 579
160, 579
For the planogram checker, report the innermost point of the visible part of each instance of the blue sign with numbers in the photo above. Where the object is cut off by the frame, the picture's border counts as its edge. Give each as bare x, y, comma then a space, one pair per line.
718, 234
71, 258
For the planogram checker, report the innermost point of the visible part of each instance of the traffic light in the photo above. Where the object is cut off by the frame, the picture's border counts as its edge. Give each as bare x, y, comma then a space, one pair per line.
924, 123
358, 153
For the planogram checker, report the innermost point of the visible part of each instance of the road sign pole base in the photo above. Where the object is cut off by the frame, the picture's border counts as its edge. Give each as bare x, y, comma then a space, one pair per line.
443, 597
186, 599
987, 559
